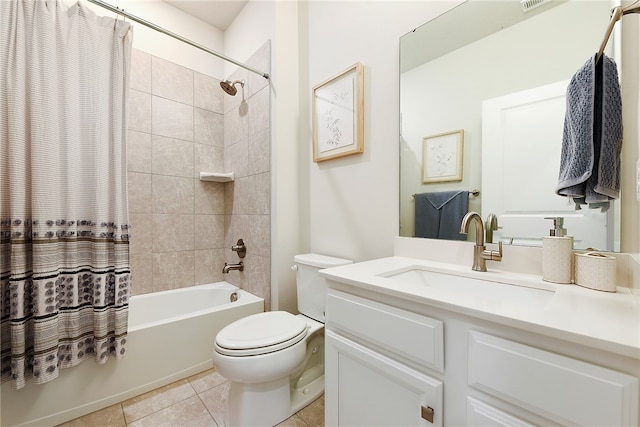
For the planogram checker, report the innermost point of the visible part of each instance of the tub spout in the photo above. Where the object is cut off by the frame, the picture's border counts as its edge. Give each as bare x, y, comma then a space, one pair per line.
228, 267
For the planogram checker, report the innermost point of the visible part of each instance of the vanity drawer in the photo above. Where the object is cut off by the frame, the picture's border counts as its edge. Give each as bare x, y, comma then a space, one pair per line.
563, 389
416, 337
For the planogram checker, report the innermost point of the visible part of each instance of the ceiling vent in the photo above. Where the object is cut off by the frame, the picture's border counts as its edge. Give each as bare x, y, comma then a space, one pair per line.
528, 5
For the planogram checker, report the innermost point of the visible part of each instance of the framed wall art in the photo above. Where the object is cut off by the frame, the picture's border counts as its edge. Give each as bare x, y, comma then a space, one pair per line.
338, 115
442, 157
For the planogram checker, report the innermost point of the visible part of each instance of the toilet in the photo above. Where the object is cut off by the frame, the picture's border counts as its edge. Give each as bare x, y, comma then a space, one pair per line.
274, 360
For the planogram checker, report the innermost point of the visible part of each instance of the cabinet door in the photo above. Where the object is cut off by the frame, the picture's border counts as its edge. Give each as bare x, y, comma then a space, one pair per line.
365, 388
480, 414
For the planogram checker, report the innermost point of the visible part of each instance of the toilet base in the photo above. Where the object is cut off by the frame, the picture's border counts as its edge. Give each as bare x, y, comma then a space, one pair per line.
268, 404
302, 397
258, 404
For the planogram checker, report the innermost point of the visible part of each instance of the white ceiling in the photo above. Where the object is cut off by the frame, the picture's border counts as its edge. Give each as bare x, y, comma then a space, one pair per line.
218, 13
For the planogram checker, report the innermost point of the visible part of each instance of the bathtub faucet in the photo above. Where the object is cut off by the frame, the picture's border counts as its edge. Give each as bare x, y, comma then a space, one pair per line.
229, 267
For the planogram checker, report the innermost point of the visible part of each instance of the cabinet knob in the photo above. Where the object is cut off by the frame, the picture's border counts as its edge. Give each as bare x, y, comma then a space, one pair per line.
427, 413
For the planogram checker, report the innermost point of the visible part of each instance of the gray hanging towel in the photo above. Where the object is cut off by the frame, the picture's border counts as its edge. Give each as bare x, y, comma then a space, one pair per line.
439, 215
592, 138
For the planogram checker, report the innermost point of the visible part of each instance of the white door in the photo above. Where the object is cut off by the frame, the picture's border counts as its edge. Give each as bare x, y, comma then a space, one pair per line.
521, 144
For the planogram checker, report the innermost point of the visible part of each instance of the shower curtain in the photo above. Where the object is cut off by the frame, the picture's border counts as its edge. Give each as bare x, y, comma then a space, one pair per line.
64, 268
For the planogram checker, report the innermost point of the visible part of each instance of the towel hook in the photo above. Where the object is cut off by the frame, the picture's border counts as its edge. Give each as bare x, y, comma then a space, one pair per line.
616, 13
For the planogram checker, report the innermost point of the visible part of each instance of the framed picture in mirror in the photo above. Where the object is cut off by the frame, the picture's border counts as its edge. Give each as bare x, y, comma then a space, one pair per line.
442, 157
338, 115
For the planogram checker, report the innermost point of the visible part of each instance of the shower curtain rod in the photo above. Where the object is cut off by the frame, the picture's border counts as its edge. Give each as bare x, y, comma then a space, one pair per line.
175, 36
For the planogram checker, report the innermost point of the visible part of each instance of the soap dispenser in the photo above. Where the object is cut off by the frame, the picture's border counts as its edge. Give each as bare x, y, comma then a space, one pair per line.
557, 254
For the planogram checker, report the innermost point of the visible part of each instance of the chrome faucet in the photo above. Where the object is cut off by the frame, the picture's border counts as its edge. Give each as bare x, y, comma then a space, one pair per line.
480, 254
228, 267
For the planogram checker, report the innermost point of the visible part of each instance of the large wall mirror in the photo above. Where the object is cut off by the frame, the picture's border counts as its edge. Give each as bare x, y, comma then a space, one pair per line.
499, 74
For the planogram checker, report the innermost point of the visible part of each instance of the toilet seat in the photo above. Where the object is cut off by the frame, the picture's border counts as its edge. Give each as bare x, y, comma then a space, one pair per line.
260, 334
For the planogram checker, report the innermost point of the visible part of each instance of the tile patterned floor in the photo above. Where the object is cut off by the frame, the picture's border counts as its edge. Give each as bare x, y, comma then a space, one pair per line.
197, 401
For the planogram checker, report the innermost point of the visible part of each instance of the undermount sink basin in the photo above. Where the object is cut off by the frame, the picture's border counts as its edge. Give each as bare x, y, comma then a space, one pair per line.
489, 290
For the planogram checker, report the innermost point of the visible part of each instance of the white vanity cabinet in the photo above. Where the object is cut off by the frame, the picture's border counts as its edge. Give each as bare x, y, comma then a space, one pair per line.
369, 349
396, 361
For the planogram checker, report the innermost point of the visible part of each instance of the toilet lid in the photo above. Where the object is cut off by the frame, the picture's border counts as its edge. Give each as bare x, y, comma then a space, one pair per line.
260, 333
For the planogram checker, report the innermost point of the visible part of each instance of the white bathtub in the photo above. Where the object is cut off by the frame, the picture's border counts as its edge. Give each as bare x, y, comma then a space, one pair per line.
170, 337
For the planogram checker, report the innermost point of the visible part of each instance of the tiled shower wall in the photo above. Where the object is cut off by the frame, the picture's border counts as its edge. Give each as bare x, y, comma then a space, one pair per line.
182, 123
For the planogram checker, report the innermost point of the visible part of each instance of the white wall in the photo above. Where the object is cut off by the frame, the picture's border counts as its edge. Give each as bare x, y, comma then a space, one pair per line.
252, 27
352, 209
285, 145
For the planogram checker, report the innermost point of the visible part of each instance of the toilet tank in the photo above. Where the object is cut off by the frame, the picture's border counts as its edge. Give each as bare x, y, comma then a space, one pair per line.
312, 290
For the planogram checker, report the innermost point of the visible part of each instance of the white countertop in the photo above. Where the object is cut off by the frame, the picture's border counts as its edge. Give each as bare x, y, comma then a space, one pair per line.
606, 320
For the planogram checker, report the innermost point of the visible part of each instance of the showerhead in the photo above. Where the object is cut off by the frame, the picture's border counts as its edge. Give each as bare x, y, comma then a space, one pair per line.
230, 87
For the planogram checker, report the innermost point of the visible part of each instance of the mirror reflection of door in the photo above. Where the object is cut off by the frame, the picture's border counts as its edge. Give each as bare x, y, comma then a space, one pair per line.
522, 139
502, 51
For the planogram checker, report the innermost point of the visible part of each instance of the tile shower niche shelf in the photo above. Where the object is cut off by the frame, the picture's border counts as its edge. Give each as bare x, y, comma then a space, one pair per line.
216, 176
